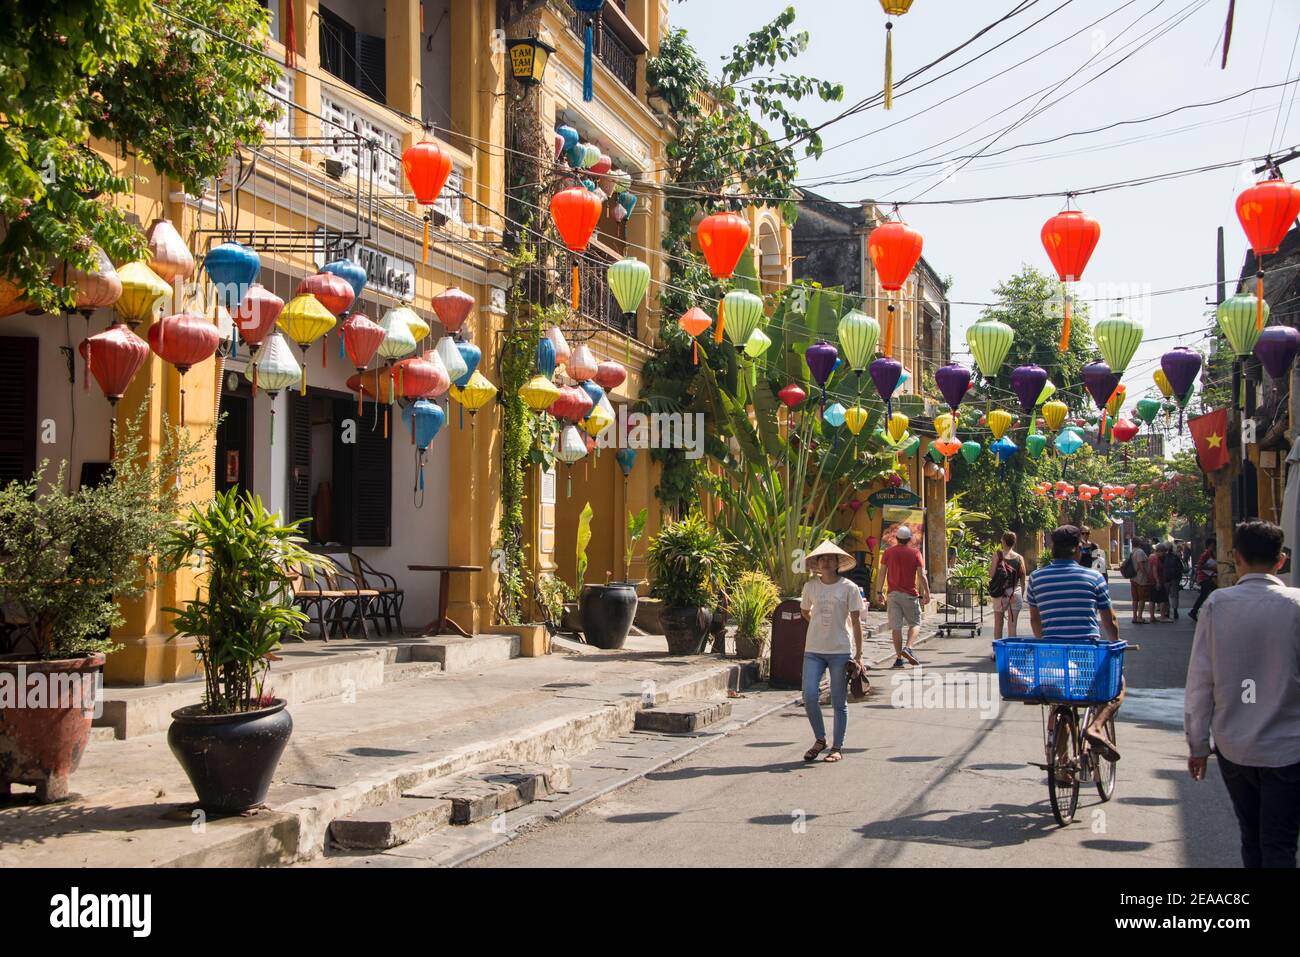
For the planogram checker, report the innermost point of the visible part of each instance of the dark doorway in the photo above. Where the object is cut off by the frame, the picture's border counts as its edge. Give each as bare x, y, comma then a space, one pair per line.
234, 448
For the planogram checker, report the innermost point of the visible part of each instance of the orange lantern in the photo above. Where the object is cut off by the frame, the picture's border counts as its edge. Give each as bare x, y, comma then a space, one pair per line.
895, 248
947, 448
694, 322
184, 341
722, 238
1069, 238
1266, 211
427, 166
575, 212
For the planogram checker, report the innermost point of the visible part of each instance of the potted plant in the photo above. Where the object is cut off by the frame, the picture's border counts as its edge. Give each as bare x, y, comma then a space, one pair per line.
689, 562
67, 558
553, 594
230, 744
752, 600
608, 610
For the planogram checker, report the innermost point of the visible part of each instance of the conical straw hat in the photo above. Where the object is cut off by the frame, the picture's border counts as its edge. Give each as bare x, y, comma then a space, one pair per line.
828, 547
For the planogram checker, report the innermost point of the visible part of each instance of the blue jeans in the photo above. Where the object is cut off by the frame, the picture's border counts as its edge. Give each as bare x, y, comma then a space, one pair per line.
814, 665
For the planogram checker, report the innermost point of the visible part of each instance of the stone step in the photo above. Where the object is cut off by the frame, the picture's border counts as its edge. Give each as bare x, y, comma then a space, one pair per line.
411, 670
493, 788
466, 654
390, 824
682, 718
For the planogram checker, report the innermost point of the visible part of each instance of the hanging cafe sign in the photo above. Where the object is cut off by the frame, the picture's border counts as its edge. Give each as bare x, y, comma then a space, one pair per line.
384, 271
899, 497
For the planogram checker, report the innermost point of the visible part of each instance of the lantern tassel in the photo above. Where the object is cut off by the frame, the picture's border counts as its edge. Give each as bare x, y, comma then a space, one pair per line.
1065, 326
947, 474
112, 437
722, 322
889, 66
254, 380
342, 355
85, 379
385, 421
272, 442
588, 72
575, 296
1259, 300
695, 351
325, 353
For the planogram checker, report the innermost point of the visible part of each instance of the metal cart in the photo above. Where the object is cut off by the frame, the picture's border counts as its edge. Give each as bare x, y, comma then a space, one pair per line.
963, 607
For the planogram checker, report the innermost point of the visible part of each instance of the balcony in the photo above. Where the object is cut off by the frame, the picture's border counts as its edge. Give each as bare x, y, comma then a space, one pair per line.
610, 49
597, 306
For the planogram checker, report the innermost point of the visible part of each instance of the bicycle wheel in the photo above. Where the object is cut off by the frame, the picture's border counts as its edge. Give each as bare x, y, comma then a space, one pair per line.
1063, 759
1104, 767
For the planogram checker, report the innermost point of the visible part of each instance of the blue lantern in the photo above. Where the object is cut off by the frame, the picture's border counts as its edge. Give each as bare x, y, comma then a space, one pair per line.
1068, 442
627, 199
426, 421
596, 393
352, 273
232, 268
592, 9
472, 355
574, 155
546, 357
1004, 448
834, 415
626, 459
569, 135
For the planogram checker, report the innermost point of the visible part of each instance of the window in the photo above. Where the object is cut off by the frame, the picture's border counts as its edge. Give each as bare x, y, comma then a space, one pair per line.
17, 408
356, 58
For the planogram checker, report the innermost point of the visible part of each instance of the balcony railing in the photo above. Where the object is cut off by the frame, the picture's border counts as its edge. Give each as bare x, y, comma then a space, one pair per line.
610, 50
597, 305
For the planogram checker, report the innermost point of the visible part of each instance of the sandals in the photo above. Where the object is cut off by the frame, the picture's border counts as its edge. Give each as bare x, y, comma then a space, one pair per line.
818, 747
833, 755
1099, 742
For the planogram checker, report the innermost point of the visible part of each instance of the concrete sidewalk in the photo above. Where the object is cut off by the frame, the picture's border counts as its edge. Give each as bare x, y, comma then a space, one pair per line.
133, 805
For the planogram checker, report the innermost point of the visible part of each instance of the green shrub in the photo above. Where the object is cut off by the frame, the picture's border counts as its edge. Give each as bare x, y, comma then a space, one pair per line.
690, 564
751, 601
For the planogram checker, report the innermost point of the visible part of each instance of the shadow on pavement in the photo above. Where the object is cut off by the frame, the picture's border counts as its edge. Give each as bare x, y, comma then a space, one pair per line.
1002, 825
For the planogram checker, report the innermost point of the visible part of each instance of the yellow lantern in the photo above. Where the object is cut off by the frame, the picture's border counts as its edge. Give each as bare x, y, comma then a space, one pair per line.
1116, 400
143, 290
999, 421
1162, 382
898, 424
944, 425
1054, 414
856, 418
419, 328
539, 393
601, 418
304, 320
477, 392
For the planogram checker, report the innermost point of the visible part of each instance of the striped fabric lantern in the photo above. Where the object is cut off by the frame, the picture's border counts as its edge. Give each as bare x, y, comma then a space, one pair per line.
143, 293
744, 312
989, 341
398, 340
1118, 338
1237, 319
169, 257
304, 320
582, 364
452, 307
858, 335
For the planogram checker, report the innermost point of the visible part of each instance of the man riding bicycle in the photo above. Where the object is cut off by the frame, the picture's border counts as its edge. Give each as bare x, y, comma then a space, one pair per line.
1068, 601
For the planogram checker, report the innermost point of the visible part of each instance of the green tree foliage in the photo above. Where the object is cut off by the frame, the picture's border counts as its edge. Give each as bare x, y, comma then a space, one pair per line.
134, 75
721, 149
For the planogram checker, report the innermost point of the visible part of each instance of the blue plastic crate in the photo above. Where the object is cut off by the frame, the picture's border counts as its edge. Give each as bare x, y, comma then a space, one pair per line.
1051, 669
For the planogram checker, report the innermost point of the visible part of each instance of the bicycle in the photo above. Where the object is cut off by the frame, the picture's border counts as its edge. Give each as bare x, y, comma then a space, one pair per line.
1071, 759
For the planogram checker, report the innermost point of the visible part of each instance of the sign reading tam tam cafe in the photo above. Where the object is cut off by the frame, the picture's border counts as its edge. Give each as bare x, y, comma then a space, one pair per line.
384, 271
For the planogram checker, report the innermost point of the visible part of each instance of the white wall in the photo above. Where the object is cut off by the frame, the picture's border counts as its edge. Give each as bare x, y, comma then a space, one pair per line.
435, 63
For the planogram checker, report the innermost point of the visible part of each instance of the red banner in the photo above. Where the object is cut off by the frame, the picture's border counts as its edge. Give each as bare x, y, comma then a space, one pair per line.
1210, 432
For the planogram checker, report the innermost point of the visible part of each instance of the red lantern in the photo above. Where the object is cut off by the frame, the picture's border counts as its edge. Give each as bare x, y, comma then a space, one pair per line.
722, 238
453, 307
1266, 211
575, 212
418, 377
113, 357
792, 395
361, 339
1069, 238
895, 248
572, 404
256, 315
334, 292
1124, 430
427, 166
610, 375
184, 341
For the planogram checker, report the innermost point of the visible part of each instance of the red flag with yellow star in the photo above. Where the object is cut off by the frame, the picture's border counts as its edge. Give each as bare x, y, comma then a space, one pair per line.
1210, 432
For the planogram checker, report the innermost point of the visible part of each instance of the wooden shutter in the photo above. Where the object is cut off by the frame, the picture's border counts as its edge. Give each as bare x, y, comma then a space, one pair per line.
363, 478
372, 67
17, 408
337, 46
299, 439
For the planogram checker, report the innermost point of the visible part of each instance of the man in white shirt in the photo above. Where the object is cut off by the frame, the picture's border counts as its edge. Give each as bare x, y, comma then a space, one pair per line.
1243, 684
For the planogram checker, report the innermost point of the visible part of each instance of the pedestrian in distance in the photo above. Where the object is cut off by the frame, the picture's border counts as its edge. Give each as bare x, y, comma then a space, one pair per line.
1007, 578
1173, 571
1243, 686
832, 606
1159, 587
1207, 576
907, 587
1139, 579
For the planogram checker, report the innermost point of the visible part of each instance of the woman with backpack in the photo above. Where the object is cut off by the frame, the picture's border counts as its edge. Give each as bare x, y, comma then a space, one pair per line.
1007, 577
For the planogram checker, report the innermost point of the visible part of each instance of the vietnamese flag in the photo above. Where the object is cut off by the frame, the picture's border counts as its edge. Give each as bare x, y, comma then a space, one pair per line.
1210, 433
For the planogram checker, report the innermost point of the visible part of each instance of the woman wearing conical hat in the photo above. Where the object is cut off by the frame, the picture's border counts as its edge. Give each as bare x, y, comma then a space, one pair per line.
831, 604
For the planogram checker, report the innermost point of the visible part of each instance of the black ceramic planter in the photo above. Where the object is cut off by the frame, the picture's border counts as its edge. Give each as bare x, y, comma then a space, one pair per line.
230, 758
607, 613
685, 628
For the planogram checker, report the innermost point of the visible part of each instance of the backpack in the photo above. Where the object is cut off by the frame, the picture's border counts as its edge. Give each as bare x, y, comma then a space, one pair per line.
1127, 569
1000, 582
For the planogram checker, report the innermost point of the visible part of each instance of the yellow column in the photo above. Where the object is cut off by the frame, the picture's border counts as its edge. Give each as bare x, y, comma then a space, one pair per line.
402, 54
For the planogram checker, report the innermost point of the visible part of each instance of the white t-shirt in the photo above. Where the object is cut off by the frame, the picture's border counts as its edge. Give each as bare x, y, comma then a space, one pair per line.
828, 622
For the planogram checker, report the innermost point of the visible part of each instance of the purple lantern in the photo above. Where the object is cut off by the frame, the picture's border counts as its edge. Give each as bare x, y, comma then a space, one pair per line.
821, 358
1276, 349
885, 373
953, 381
1027, 383
1181, 367
1101, 382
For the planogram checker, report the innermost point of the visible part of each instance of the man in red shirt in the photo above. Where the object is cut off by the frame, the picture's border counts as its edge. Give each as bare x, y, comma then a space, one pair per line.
908, 589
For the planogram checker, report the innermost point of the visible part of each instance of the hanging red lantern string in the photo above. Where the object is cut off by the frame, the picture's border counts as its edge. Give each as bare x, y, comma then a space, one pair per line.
1069, 238
113, 357
722, 238
895, 248
427, 166
575, 212
1266, 211
184, 340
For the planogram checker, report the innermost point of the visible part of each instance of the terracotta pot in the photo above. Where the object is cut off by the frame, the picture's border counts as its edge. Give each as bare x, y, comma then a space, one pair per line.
43, 745
230, 759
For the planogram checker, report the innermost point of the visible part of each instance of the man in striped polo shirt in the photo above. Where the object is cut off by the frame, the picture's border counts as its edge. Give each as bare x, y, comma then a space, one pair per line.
1068, 601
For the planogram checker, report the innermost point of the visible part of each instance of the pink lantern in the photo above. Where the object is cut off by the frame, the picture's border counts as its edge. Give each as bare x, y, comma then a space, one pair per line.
582, 364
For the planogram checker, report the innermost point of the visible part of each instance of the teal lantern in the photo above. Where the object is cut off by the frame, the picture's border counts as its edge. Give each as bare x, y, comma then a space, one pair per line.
970, 451
626, 458
834, 415
426, 421
1034, 444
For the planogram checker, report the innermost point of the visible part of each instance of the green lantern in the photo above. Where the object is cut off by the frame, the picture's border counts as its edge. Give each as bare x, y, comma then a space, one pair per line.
1034, 444
971, 450
628, 280
1148, 409
744, 312
910, 446
935, 454
1237, 320
757, 343
989, 341
858, 334
1118, 338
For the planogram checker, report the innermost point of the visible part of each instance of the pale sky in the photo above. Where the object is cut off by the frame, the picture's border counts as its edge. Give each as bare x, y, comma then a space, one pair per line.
1154, 237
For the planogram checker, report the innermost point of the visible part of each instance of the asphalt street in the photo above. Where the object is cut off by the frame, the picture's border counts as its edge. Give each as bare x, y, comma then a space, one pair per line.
939, 783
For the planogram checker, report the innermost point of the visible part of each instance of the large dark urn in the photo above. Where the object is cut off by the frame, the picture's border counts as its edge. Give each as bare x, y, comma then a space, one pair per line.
685, 628
607, 613
230, 758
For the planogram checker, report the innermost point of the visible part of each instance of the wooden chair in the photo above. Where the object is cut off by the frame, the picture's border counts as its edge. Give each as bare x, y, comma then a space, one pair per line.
362, 604
316, 599
391, 596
